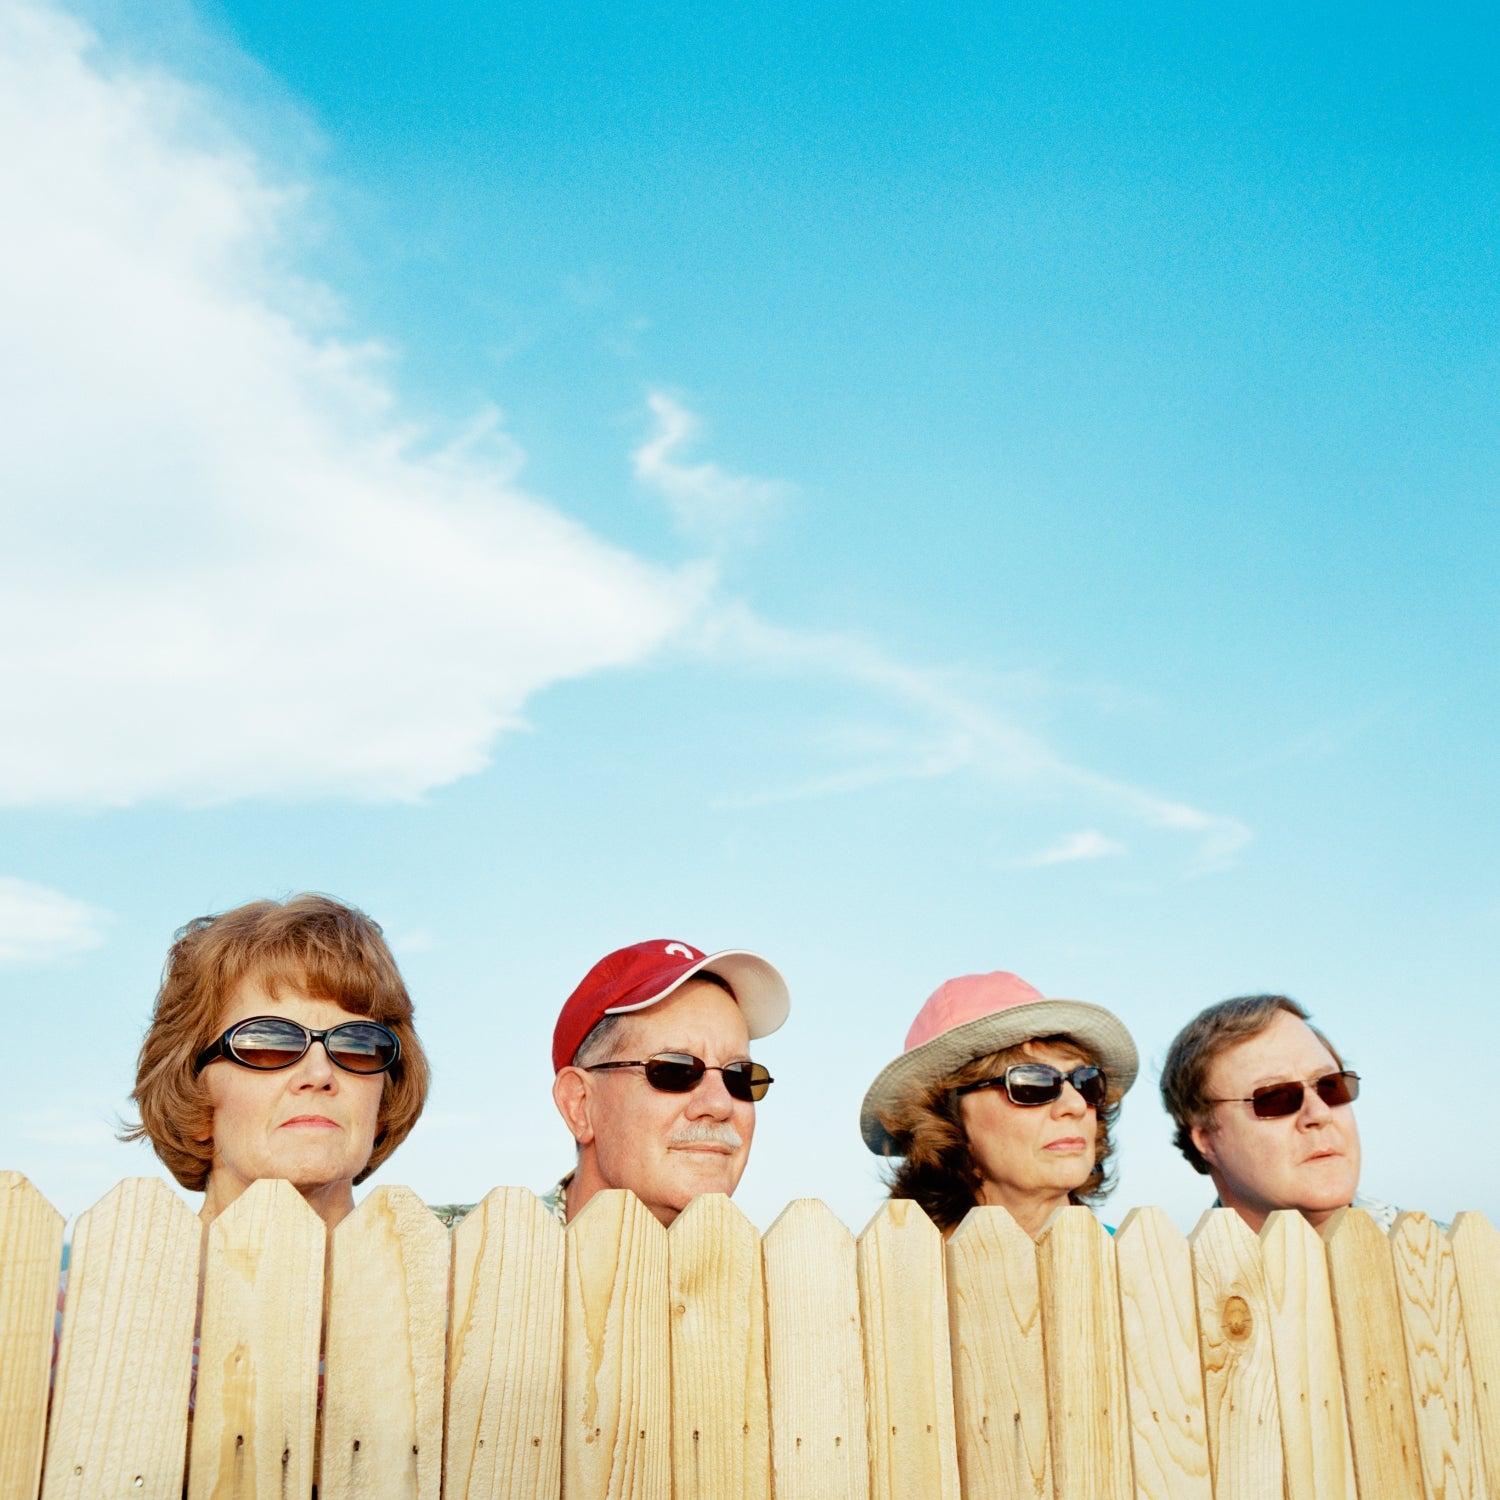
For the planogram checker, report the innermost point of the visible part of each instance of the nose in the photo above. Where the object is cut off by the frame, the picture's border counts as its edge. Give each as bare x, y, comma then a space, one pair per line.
1314, 1111
710, 1100
314, 1069
1070, 1101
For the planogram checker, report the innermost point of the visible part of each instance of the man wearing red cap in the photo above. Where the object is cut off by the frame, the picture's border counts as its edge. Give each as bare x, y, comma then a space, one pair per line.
654, 1077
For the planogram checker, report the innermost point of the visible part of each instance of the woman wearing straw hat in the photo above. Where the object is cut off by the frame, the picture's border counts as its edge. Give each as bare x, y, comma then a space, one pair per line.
1001, 1097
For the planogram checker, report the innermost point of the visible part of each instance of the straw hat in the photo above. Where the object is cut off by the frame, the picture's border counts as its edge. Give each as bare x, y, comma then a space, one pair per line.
976, 1014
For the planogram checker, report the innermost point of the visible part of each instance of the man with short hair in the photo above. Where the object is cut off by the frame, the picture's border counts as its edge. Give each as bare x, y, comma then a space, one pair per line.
1262, 1102
653, 1072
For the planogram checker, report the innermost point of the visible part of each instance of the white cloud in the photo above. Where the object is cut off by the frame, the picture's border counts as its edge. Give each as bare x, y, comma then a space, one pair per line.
708, 503
1089, 843
229, 568
945, 727
40, 926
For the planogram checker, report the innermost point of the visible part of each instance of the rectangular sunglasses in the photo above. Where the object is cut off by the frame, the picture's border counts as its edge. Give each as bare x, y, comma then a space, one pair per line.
680, 1072
1278, 1100
1033, 1084
269, 1043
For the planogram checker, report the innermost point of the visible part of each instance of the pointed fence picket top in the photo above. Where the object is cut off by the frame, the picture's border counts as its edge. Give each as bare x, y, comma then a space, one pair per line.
721, 1438
1372, 1356
387, 1326
999, 1364
1476, 1258
903, 1306
1085, 1358
1163, 1382
1239, 1373
617, 1354
120, 1406
31, 1236
819, 1449
254, 1421
1437, 1355
1309, 1383
505, 1352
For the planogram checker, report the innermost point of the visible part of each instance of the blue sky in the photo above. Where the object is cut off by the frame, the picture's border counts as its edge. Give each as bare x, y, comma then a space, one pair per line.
908, 493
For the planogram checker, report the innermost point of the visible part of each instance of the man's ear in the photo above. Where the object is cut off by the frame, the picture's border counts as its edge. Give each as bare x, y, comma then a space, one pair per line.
1204, 1141
572, 1092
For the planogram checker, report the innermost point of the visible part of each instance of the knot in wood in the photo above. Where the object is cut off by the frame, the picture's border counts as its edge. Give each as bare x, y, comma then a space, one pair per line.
1237, 1320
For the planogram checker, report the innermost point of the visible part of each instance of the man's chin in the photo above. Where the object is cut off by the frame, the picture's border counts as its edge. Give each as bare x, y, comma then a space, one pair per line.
707, 1171
1323, 1192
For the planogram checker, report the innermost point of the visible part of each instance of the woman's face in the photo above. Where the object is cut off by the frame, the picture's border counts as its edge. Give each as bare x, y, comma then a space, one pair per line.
1032, 1155
313, 1123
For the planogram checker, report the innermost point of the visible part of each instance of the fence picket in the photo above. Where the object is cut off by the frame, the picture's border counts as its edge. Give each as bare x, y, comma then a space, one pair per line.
1309, 1384
31, 1236
1476, 1258
1239, 1374
999, 1365
720, 1421
903, 1308
1085, 1359
383, 1396
615, 1360
505, 1352
1372, 1355
254, 1422
1163, 1382
1437, 1355
617, 1353
120, 1407
819, 1449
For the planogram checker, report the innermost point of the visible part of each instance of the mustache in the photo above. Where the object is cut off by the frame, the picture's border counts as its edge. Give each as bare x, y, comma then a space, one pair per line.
707, 1133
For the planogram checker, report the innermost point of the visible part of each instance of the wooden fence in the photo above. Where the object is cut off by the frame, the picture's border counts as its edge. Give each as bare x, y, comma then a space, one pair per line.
618, 1359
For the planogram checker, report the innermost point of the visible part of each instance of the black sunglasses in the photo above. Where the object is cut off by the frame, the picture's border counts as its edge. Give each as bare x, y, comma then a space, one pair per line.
680, 1072
1278, 1100
1031, 1084
268, 1043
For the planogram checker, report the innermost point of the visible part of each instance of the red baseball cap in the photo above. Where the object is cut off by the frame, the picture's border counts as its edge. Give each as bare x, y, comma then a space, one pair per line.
639, 976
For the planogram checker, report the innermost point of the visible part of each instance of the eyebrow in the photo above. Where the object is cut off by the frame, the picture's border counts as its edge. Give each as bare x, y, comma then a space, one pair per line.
1272, 1080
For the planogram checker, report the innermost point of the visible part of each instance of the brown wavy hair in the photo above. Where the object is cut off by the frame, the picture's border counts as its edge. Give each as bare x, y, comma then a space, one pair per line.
938, 1170
310, 942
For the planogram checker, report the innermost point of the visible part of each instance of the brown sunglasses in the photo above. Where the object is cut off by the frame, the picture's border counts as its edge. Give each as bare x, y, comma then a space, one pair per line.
1278, 1100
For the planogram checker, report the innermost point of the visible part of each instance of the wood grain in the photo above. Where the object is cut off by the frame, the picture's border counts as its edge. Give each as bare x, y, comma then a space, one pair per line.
819, 1448
903, 1307
1437, 1357
254, 1424
1476, 1258
1239, 1373
721, 1436
31, 1236
1372, 1356
120, 1408
1163, 1381
617, 1352
1309, 1383
999, 1361
1085, 1359
505, 1352
387, 1331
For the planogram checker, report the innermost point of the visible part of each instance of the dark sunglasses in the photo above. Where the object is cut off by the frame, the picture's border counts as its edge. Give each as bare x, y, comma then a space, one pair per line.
1031, 1084
1278, 1100
267, 1043
680, 1072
